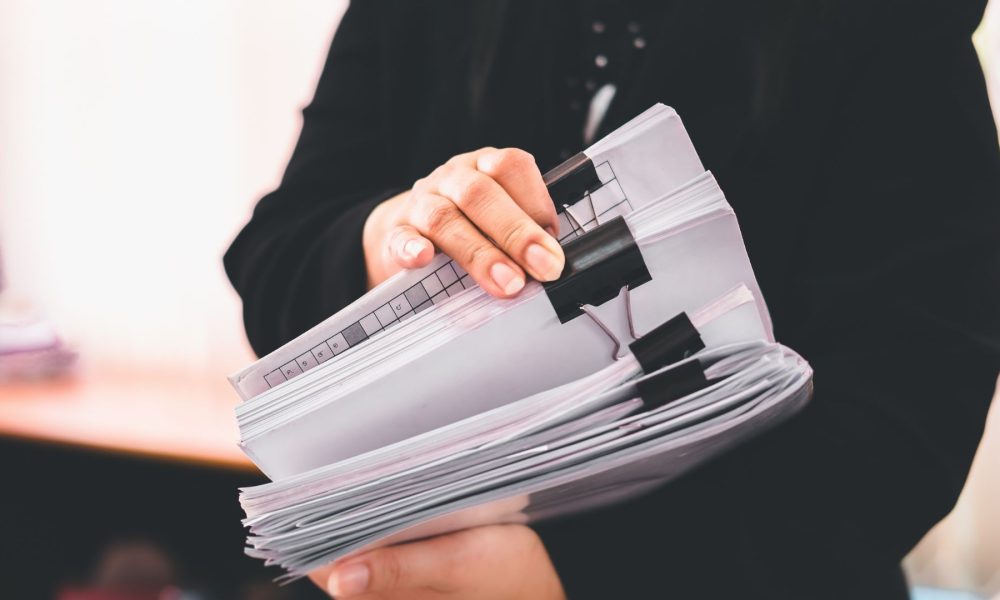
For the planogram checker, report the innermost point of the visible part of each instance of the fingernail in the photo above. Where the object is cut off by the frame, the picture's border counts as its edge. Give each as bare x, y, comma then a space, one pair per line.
543, 262
507, 278
413, 248
349, 580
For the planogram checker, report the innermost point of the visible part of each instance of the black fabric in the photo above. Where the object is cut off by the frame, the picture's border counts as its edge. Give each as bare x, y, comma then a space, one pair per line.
601, 42
857, 147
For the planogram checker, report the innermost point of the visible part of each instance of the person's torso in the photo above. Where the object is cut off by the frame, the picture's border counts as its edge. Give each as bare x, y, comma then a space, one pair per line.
757, 101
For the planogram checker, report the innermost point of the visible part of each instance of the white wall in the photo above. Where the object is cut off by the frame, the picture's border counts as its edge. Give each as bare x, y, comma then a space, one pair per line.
134, 138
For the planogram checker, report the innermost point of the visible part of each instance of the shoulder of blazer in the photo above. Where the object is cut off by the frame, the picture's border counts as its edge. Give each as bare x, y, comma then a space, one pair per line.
935, 17
427, 21
905, 19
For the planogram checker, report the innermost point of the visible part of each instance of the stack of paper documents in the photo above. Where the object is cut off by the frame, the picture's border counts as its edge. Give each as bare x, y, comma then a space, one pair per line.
428, 406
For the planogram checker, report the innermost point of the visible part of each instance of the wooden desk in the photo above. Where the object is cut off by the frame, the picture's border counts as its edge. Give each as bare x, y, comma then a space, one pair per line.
163, 415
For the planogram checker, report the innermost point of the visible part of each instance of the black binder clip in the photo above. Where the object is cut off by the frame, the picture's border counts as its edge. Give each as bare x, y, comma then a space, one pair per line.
663, 388
671, 342
571, 180
598, 265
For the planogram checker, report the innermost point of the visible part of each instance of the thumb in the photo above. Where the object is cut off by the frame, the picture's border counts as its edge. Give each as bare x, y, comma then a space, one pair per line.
408, 248
394, 568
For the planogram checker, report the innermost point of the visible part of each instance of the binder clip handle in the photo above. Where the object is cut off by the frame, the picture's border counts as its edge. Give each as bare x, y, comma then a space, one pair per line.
571, 180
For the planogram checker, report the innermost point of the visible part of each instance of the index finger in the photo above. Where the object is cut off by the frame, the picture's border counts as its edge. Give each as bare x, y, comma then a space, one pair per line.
517, 173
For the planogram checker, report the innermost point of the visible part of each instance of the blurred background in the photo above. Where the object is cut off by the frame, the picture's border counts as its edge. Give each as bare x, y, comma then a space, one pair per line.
117, 439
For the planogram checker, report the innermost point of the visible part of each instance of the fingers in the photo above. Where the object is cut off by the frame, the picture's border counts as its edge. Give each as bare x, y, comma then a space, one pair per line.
437, 218
445, 564
499, 561
408, 248
429, 564
488, 205
489, 210
515, 170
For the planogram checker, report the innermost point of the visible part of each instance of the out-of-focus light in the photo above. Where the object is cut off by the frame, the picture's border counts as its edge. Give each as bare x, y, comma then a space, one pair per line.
135, 137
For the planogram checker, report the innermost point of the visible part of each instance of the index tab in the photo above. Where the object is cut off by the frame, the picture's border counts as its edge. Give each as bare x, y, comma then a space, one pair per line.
571, 179
598, 265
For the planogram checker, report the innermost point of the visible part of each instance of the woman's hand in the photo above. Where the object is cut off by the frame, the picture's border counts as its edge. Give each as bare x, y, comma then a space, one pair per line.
483, 563
489, 210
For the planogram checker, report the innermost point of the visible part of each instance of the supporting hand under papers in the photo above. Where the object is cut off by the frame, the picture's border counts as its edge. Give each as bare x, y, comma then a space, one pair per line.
483, 563
488, 209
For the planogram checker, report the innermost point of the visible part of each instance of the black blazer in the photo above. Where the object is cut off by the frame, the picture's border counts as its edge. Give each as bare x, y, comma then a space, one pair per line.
858, 150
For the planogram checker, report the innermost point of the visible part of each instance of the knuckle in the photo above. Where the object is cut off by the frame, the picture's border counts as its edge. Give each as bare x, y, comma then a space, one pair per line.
438, 216
443, 172
516, 234
478, 254
421, 184
459, 159
515, 159
510, 160
473, 190
477, 154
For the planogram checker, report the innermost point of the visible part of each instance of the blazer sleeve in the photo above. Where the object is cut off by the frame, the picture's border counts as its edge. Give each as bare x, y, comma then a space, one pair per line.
901, 280
300, 258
